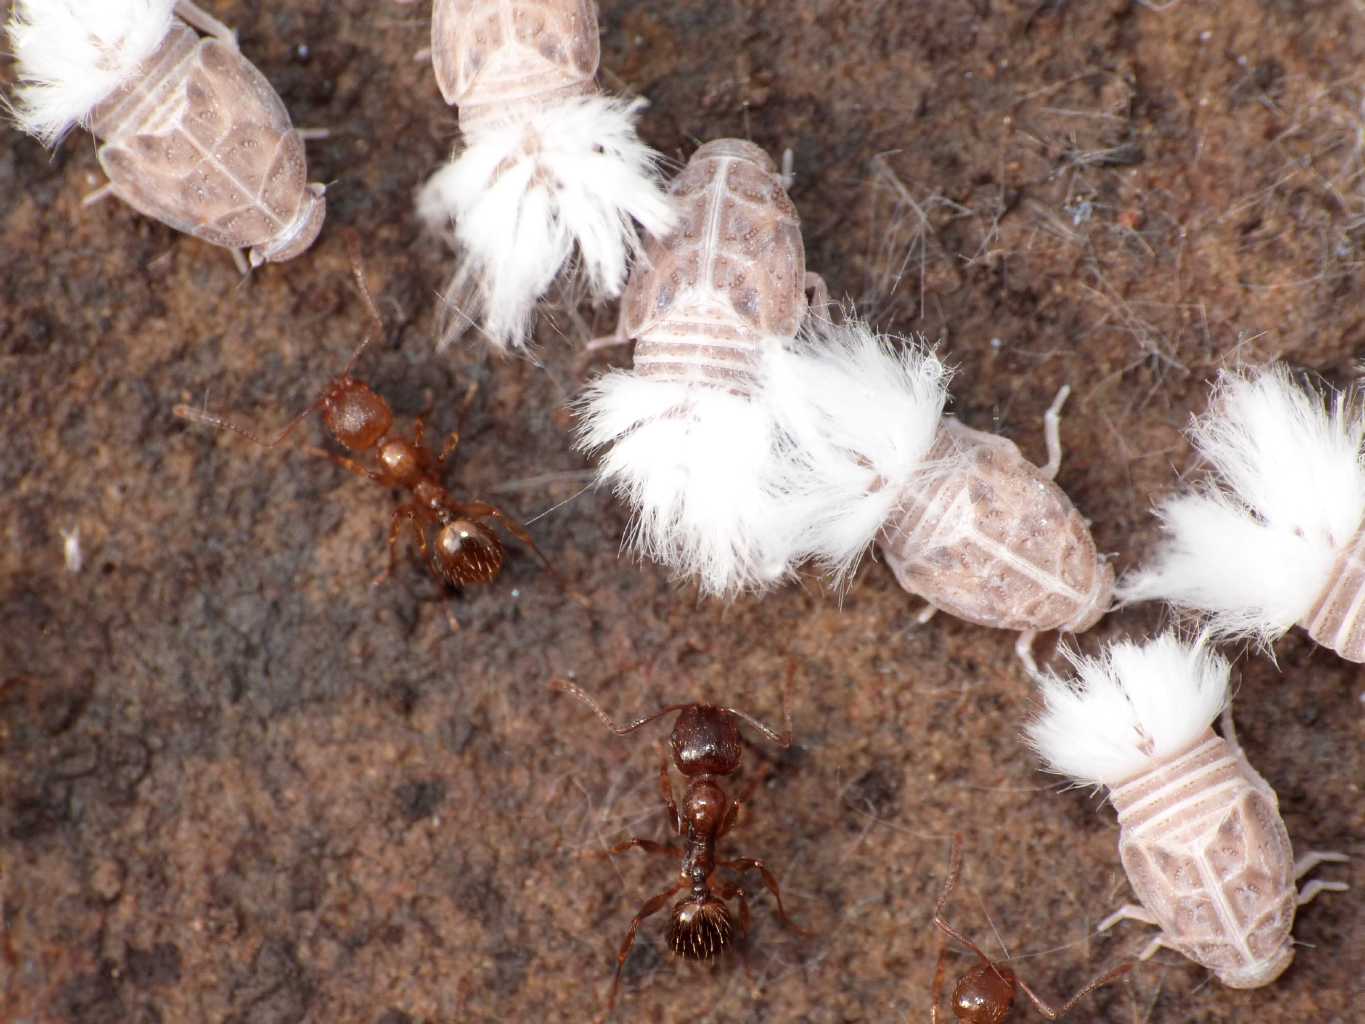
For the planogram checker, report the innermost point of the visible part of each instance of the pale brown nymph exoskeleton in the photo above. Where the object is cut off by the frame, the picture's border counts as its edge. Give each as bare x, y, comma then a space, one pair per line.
985, 993
687, 436
707, 747
993, 540
465, 548
1200, 832
191, 132
491, 56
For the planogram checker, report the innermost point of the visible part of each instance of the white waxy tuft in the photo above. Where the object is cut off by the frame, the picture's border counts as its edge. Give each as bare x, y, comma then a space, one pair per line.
1129, 709
1255, 546
862, 415
525, 192
703, 470
72, 54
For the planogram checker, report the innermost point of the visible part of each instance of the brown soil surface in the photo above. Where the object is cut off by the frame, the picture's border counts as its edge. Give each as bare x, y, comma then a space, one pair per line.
237, 783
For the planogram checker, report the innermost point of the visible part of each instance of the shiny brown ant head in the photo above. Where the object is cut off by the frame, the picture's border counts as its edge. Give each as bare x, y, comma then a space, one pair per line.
355, 415
700, 928
467, 552
984, 994
705, 741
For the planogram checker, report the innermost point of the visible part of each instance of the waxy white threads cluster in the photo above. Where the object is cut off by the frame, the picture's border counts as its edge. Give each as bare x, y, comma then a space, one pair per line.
192, 134
1272, 536
551, 170
754, 434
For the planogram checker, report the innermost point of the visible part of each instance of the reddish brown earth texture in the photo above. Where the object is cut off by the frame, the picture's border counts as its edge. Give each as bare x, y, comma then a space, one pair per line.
238, 783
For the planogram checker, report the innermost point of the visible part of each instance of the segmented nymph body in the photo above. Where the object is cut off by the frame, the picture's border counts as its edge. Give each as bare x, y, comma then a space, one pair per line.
962, 518
550, 166
1200, 832
690, 441
995, 541
1275, 535
192, 134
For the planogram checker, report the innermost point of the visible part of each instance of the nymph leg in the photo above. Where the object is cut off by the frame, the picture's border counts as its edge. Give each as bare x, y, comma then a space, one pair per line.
1128, 912
192, 14
1052, 433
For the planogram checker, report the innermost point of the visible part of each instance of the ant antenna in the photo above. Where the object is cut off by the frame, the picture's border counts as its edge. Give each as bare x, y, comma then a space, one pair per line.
573, 690
784, 738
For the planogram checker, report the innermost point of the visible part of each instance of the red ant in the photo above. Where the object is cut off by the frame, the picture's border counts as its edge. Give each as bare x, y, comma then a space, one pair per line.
466, 549
706, 745
985, 994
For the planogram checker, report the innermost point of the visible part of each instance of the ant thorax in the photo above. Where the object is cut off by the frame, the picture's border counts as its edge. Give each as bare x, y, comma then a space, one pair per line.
730, 278
991, 539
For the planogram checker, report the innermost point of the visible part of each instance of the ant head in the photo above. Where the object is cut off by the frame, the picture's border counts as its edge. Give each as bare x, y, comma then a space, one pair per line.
700, 928
467, 552
705, 741
984, 994
355, 415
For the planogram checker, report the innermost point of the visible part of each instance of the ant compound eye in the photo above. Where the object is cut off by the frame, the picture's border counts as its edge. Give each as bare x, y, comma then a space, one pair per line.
467, 553
700, 929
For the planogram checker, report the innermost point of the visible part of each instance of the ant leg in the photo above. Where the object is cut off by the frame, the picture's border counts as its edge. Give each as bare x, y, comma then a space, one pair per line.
770, 880
666, 791
651, 906
950, 883
402, 515
448, 449
647, 845
936, 989
1052, 1014
350, 465
481, 509
1052, 434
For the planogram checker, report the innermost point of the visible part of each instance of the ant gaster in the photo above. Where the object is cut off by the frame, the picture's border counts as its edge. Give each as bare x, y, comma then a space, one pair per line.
466, 549
706, 746
985, 994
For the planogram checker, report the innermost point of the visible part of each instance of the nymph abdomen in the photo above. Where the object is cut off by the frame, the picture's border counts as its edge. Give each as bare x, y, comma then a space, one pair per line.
994, 541
1208, 855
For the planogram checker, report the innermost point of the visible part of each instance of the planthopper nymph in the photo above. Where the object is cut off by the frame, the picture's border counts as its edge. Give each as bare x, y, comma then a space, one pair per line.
191, 132
551, 167
1200, 832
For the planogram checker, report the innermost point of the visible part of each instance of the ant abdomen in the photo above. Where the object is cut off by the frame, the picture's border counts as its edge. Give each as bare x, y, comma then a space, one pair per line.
467, 553
700, 929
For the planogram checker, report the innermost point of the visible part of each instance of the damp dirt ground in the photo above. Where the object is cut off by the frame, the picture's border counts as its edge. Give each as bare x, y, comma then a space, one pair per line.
239, 783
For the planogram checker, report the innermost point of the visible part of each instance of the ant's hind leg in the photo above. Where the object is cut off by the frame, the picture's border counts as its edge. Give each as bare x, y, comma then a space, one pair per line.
770, 880
402, 515
477, 509
651, 906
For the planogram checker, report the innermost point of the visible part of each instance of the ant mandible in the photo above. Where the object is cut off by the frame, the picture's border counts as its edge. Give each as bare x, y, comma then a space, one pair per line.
706, 745
466, 549
985, 994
